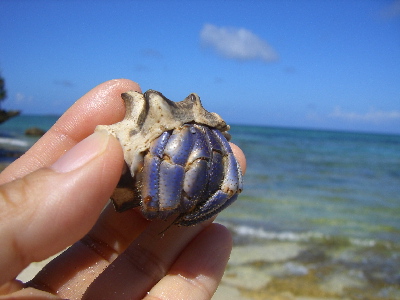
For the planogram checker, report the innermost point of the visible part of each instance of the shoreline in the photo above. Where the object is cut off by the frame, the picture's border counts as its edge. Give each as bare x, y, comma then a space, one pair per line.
310, 270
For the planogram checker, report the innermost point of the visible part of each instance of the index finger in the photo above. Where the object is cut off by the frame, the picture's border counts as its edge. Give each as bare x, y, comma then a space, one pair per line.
102, 105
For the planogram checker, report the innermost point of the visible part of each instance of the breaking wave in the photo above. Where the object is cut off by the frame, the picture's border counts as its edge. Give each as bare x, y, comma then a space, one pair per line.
245, 231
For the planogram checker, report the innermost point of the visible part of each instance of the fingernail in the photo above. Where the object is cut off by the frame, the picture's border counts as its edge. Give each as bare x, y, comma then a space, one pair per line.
82, 153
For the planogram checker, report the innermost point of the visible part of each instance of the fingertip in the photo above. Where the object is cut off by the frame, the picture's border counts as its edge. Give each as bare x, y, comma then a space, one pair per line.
199, 269
222, 234
239, 156
120, 84
215, 243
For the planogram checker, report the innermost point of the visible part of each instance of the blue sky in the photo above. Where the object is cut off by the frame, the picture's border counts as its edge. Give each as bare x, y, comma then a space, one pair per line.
311, 64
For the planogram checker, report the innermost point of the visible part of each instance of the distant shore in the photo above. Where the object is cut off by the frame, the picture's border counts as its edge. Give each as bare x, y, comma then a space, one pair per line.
5, 115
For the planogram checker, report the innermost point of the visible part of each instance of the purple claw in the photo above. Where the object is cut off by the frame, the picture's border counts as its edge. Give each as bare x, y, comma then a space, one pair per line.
191, 171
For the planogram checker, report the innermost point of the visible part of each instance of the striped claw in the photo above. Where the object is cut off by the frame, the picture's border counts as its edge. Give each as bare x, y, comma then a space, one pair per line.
193, 173
188, 169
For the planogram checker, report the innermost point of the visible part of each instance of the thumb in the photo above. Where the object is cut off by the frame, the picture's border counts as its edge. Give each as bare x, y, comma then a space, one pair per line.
48, 210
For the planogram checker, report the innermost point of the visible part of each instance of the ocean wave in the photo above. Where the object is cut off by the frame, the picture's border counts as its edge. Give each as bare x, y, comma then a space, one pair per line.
245, 230
13, 142
290, 236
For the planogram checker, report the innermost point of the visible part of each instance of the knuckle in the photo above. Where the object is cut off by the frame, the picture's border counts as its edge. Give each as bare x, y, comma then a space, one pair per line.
14, 195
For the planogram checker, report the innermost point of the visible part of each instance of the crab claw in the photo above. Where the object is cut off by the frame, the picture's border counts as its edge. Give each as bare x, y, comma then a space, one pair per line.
193, 172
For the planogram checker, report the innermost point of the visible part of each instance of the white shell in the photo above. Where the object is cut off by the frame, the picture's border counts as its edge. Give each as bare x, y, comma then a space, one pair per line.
148, 115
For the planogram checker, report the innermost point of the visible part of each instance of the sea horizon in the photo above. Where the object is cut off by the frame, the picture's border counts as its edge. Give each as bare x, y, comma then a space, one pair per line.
299, 127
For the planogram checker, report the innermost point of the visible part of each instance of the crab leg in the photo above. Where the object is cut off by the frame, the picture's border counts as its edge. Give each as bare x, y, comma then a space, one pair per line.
223, 197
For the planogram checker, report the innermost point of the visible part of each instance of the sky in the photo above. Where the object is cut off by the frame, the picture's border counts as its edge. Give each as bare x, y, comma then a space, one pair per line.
309, 64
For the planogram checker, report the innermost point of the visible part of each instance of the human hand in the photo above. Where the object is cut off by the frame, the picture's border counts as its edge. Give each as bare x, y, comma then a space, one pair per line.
49, 201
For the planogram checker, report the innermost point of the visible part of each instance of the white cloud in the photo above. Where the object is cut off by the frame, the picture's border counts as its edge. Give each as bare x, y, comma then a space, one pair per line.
21, 98
372, 116
237, 43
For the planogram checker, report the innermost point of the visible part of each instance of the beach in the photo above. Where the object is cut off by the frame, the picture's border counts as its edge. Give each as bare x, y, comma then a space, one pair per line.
318, 217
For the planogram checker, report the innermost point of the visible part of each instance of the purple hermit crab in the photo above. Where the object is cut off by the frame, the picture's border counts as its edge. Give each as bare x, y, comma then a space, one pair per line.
178, 156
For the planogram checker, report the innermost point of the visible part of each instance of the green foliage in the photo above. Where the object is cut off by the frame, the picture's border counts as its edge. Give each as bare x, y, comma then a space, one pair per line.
3, 92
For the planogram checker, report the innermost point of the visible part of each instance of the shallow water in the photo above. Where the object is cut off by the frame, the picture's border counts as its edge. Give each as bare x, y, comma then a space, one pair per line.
332, 183
336, 193
13, 140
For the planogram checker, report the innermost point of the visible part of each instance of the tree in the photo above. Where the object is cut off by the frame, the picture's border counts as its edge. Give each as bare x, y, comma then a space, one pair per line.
5, 114
3, 92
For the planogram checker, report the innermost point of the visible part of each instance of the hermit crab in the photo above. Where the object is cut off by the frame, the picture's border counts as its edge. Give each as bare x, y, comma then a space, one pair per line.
178, 159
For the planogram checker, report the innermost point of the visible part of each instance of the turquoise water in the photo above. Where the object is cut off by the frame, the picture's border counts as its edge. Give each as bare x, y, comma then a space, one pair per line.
17, 126
332, 183
335, 193
12, 132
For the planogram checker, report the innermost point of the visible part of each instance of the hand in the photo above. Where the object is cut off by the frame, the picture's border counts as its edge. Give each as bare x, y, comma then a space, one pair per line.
52, 197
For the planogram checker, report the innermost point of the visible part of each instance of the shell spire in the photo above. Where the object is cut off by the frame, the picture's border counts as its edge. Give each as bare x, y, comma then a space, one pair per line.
148, 115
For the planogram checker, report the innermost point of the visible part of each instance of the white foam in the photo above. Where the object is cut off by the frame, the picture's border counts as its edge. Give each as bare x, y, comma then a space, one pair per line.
13, 142
270, 235
365, 243
244, 230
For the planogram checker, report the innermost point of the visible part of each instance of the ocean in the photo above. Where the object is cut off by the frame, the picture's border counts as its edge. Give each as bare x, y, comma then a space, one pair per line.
337, 184
334, 196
